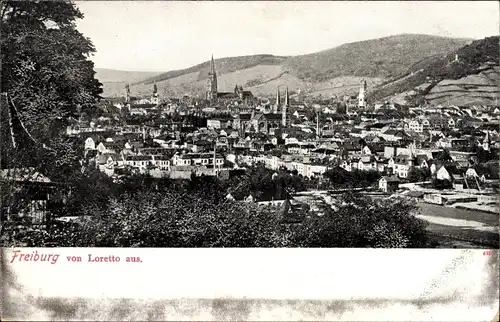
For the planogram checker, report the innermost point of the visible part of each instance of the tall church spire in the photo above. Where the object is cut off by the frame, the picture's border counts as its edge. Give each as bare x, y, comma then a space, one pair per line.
127, 93
287, 98
212, 83
278, 99
212, 65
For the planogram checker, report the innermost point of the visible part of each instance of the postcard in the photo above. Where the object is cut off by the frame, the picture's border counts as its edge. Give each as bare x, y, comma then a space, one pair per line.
249, 161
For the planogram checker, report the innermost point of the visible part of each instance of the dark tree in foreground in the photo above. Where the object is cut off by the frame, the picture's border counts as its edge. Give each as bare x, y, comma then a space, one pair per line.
45, 65
47, 77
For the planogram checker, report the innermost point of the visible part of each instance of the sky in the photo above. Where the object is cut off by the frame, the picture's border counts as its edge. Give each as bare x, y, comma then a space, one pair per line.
169, 35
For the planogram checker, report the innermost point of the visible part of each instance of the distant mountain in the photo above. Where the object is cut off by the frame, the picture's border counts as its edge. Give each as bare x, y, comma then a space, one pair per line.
105, 75
336, 71
466, 76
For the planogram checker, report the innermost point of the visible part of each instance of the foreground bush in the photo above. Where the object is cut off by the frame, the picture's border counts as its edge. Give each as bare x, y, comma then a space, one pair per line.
174, 219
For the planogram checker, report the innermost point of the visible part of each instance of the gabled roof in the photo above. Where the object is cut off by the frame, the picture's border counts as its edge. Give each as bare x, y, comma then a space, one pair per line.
421, 158
138, 158
390, 179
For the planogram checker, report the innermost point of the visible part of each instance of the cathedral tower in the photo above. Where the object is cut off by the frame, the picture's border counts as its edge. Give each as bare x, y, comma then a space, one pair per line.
127, 93
212, 83
154, 98
285, 119
277, 103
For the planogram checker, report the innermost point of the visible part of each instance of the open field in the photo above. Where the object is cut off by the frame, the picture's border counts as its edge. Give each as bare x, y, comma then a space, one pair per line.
451, 226
463, 214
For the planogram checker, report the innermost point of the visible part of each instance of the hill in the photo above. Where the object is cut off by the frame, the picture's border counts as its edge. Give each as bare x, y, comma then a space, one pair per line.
105, 75
466, 76
336, 71
224, 66
384, 57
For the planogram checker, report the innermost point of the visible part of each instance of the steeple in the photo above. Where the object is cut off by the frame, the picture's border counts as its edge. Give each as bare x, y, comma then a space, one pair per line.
278, 99
287, 98
212, 65
127, 93
155, 89
284, 112
212, 83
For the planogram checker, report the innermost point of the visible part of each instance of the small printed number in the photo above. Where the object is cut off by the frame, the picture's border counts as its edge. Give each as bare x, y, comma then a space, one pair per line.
488, 253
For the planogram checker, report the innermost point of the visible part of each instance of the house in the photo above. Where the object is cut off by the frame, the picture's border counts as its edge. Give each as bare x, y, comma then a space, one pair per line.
435, 198
367, 163
422, 161
393, 135
140, 162
401, 164
473, 173
32, 197
110, 147
327, 148
107, 162
90, 143
162, 162
416, 126
388, 184
366, 150
439, 122
198, 159
443, 174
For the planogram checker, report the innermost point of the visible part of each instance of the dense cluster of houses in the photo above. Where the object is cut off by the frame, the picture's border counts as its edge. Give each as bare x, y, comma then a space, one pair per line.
390, 147
389, 139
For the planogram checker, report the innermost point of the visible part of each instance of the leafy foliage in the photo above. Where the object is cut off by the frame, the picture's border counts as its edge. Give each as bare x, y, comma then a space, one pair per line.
45, 66
419, 174
341, 178
265, 184
173, 218
49, 78
362, 222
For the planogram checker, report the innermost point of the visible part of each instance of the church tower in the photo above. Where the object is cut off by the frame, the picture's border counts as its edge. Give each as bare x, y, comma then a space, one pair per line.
127, 93
277, 103
155, 90
212, 83
362, 94
154, 98
285, 119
